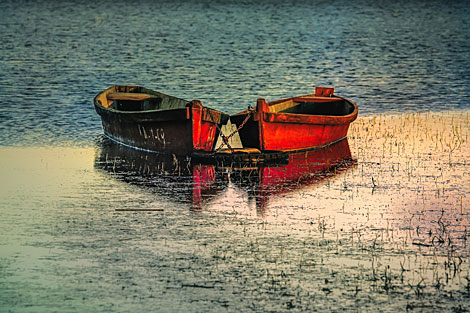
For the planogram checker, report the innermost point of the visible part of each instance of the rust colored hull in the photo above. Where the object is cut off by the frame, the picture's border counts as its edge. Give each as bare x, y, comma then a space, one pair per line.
181, 129
304, 122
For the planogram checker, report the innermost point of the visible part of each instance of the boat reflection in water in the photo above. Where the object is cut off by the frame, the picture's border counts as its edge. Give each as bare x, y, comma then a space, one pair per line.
169, 176
182, 180
303, 168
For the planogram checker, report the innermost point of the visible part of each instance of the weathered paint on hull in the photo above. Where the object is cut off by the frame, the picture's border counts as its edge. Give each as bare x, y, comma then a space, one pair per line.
180, 131
171, 137
283, 136
286, 136
269, 131
181, 137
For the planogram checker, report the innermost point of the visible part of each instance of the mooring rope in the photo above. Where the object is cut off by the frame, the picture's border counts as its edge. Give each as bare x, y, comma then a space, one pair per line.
225, 139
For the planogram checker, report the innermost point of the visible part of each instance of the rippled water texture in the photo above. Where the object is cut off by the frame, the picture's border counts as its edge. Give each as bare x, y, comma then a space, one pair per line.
376, 223
387, 56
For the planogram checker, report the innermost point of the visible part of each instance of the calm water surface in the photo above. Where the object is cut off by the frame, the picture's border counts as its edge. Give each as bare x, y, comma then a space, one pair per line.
378, 223
387, 56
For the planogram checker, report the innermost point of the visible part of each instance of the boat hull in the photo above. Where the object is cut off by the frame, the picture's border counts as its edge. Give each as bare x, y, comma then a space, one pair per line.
269, 131
179, 131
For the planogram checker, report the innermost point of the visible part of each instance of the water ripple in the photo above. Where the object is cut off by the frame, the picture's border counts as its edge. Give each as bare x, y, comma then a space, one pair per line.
225, 53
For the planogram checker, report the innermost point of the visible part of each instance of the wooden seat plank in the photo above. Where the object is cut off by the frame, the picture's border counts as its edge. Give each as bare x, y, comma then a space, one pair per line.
129, 96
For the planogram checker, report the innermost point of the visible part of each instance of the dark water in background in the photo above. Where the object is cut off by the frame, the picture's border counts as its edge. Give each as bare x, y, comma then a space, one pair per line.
387, 56
386, 231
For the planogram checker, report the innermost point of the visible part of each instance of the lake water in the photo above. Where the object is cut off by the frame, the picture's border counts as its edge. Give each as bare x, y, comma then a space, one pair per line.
387, 56
377, 223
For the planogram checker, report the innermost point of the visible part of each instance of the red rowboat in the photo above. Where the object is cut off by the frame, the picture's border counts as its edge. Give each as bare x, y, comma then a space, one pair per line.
297, 123
153, 121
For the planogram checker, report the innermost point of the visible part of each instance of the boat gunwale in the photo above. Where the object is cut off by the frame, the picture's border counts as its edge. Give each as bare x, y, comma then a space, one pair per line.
109, 109
213, 113
139, 112
295, 118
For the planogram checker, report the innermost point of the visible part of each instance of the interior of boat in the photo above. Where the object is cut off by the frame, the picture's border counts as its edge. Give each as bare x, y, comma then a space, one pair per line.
135, 98
313, 106
134, 101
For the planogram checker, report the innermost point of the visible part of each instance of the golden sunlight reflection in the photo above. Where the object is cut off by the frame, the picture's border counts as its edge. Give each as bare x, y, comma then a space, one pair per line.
407, 184
402, 179
389, 207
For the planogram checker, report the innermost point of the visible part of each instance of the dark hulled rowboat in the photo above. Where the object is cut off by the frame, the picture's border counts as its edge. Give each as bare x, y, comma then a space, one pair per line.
297, 123
153, 121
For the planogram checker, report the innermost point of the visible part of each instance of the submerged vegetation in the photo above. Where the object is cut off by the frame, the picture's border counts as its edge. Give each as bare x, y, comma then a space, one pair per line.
391, 229
387, 229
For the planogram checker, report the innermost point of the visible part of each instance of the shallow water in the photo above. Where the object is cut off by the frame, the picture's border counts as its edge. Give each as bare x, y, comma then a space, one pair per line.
379, 223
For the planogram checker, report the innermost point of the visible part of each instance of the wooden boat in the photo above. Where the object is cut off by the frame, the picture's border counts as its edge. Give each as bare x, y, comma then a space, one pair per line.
153, 121
297, 123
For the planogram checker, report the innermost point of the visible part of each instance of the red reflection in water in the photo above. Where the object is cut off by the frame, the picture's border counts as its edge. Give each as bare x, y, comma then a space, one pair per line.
204, 178
303, 168
177, 179
168, 176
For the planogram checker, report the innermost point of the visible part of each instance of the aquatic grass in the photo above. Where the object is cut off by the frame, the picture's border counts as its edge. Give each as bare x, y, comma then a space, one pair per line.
404, 207
388, 231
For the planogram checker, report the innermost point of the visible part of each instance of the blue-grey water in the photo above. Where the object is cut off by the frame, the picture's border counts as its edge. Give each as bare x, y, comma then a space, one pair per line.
385, 230
387, 56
